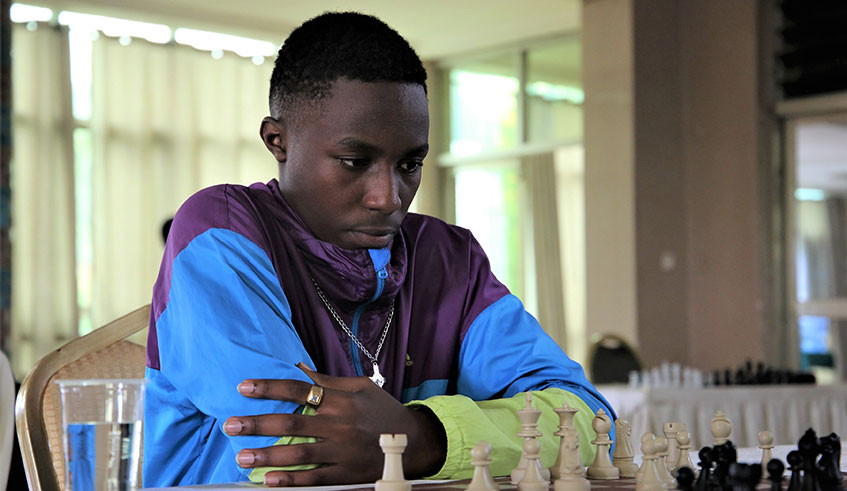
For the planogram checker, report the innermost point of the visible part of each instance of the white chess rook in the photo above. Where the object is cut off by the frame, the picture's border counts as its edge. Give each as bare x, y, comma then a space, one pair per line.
392, 471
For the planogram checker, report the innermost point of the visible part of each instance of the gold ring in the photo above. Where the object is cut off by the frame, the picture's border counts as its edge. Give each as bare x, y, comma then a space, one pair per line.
316, 395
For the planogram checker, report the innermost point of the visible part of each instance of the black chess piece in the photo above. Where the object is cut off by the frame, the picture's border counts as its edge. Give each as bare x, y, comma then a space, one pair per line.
704, 480
795, 464
775, 470
809, 448
685, 479
744, 477
724, 455
828, 467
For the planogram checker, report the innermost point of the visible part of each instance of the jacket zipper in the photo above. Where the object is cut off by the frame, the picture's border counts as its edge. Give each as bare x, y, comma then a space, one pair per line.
381, 275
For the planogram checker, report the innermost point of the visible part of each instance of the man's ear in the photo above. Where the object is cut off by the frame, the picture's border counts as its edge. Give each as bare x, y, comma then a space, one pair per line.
272, 132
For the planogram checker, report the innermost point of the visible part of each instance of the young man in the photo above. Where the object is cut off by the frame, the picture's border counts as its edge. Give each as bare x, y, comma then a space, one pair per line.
295, 321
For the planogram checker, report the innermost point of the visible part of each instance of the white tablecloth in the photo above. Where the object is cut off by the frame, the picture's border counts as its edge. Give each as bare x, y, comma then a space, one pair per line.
786, 410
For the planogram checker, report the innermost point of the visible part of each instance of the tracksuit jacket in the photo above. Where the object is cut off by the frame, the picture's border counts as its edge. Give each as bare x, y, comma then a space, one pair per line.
235, 300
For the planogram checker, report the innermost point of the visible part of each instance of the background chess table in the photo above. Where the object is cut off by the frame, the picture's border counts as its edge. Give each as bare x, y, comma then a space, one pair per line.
785, 410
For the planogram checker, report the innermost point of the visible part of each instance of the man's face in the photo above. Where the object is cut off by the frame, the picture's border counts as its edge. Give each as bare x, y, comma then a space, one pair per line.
350, 166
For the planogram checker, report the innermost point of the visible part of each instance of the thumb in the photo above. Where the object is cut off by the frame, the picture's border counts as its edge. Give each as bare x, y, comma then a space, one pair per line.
347, 384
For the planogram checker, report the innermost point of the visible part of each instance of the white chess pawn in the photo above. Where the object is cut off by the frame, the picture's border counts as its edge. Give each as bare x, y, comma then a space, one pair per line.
683, 438
602, 467
650, 479
622, 457
721, 428
481, 460
661, 445
532, 479
766, 444
644, 438
392, 471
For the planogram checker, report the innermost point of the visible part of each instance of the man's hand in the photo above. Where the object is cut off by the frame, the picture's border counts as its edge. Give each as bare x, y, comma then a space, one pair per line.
347, 424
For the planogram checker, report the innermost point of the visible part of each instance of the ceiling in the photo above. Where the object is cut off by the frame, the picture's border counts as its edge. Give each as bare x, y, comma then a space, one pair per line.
435, 28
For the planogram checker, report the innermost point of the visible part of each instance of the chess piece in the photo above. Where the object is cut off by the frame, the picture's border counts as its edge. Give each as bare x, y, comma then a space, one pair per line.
683, 439
685, 479
644, 438
650, 479
766, 444
795, 462
671, 429
622, 457
744, 477
392, 471
720, 427
569, 471
661, 444
809, 448
532, 479
828, 466
724, 455
602, 467
481, 460
529, 430
566, 414
775, 469
705, 478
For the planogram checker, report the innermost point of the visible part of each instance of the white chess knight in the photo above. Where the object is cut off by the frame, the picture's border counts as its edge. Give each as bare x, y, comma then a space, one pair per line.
622, 457
602, 467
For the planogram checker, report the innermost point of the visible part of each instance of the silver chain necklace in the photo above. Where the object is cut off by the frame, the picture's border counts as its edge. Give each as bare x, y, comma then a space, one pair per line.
377, 377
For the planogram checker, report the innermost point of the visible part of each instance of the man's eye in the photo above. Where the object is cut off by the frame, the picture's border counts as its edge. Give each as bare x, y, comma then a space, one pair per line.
410, 166
353, 162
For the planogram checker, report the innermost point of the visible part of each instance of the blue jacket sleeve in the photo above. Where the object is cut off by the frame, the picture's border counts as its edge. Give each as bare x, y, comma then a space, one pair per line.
226, 320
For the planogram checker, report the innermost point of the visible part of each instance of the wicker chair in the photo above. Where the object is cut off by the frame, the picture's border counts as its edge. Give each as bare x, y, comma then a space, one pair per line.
103, 353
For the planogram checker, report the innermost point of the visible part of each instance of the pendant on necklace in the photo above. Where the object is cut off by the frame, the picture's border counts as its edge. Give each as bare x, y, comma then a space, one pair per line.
377, 377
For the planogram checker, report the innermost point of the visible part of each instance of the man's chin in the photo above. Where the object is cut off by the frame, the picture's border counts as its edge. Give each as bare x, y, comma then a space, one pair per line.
363, 240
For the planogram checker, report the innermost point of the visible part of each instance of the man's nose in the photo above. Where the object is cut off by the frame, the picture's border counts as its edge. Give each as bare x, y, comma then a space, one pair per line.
383, 190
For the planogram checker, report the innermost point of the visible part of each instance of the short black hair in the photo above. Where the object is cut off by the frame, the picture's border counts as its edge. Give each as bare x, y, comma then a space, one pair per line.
335, 45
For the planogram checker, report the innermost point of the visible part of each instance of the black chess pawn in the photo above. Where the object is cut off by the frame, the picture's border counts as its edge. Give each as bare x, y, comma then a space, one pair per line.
809, 448
795, 464
744, 477
685, 479
775, 470
828, 467
704, 480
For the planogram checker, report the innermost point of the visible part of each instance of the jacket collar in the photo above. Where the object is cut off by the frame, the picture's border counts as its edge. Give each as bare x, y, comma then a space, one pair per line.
348, 276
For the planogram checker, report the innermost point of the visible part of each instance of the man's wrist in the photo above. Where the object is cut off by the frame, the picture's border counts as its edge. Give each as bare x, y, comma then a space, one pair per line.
430, 451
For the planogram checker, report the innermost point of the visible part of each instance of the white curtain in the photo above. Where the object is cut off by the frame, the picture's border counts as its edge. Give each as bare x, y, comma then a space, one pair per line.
44, 295
166, 121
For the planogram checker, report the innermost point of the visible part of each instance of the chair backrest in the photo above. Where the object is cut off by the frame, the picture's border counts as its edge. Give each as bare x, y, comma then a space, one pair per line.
611, 359
103, 353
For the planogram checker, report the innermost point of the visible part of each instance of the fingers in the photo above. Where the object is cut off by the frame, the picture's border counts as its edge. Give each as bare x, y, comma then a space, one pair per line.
347, 384
277, 425
320, 476
282, 390
319, 453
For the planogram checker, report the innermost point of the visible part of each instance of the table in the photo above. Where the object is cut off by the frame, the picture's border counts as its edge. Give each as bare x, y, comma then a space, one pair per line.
745, 455
786, 410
